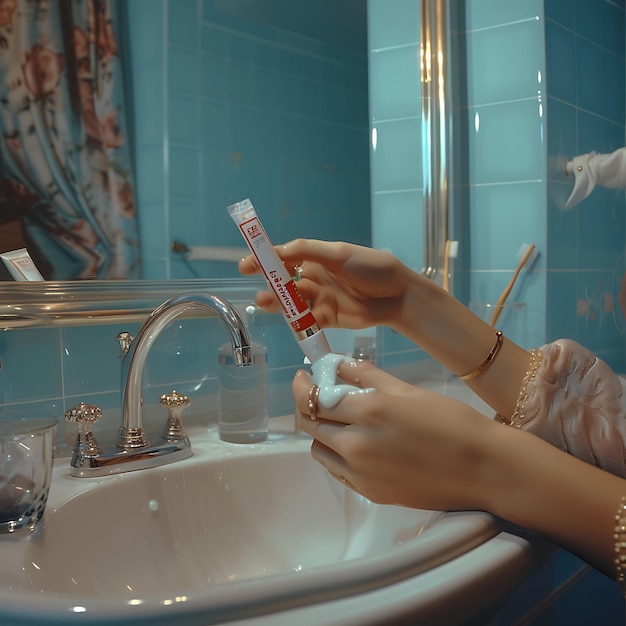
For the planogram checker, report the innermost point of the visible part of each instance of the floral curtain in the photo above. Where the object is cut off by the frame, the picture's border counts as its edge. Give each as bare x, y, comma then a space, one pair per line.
65, 166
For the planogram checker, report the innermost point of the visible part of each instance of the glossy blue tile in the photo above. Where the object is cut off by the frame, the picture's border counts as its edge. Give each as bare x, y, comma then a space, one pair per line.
217, 119
184, 119
189, 223
153, 232
149, 119
396, 74
505, 63
563, 234
562, 137
506, 142
601, 230
590, 76
149, 175
613, 136
84, 374
31, 365
613, 98
146, 26
613, 28
561, 293
595, 302
562, 12
590, 133
184, 166
561, 63
398, 225
217, 79
521, 207
392, 23
485, 13
396, 160
156, 267
183, 23
214, 41
589, 20
183, 70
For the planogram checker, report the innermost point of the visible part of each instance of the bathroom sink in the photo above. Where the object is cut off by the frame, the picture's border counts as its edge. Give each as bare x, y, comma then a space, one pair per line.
232, 532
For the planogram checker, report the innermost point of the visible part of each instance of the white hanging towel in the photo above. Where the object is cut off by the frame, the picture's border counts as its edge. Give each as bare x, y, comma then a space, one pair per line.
589, 170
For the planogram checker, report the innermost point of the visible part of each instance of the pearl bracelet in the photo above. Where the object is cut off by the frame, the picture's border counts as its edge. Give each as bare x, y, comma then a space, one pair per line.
491, 357
620, 541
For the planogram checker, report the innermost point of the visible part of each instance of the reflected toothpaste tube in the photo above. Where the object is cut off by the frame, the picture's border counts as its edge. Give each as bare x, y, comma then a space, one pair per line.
310, 336
21, 266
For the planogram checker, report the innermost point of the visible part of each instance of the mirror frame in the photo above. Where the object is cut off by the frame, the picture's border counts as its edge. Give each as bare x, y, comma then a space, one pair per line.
59, 304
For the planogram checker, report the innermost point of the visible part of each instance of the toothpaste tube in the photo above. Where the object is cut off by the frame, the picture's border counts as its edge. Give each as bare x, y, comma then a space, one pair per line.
21, 266
310, 336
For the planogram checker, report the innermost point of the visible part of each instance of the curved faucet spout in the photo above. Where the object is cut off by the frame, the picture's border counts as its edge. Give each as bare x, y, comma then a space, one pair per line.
132, 433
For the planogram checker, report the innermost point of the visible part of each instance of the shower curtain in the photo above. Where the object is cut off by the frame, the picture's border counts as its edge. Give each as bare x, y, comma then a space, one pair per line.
65, 168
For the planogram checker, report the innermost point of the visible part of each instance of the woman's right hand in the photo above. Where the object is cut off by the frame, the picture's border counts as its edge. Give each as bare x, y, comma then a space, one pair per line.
350, 286
347, 285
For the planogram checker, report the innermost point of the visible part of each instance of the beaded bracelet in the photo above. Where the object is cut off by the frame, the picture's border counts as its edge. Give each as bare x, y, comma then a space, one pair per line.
620, 541
491, 357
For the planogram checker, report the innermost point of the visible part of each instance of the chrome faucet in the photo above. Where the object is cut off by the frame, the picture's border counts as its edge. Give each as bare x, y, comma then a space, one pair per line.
133, 450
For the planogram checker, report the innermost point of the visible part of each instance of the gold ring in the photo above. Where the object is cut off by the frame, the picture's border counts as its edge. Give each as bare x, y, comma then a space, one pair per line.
314, 394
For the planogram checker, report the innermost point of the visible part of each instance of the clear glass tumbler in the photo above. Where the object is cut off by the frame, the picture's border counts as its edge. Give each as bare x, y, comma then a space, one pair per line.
242, 396
26, 454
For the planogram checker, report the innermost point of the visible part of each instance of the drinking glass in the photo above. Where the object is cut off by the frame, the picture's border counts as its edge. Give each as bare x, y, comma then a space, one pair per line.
26, 454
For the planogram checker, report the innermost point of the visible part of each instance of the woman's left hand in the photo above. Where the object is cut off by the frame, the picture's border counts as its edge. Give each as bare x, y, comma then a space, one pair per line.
401, 444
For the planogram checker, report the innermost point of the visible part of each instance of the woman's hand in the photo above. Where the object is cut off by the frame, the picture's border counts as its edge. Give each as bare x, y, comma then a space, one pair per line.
351, 286
348, 286
404, 445
401, 444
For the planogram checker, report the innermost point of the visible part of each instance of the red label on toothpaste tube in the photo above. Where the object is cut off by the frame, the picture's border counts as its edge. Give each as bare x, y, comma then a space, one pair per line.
295, 309
303, 323
282, 284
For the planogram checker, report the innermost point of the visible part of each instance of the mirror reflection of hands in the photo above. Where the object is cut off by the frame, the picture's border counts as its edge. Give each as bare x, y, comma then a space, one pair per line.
400, 444
348, 286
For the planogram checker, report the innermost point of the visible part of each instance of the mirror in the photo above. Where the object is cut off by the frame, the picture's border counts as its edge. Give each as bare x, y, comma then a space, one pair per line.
257, 99
280, 115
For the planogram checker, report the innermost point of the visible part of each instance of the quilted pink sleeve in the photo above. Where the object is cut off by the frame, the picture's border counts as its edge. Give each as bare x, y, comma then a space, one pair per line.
576, 402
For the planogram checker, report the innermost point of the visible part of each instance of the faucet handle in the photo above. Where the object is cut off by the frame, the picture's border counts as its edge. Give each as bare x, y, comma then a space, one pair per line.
85, 415
175, 403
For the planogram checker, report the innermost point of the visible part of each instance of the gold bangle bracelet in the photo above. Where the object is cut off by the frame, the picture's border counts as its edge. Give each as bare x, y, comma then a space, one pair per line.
491, 357
620, 542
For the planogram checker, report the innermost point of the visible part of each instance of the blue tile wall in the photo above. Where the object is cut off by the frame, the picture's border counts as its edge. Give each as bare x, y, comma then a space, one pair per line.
506, 150
505, 146
241, 109
545, 81
586, 108
223, 109
53, 369
396, 144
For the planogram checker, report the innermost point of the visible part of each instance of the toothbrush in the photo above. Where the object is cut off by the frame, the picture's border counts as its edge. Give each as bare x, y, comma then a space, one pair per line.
527, 255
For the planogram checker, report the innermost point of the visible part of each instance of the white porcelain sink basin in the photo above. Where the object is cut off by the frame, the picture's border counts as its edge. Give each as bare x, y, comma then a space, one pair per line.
232, 532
